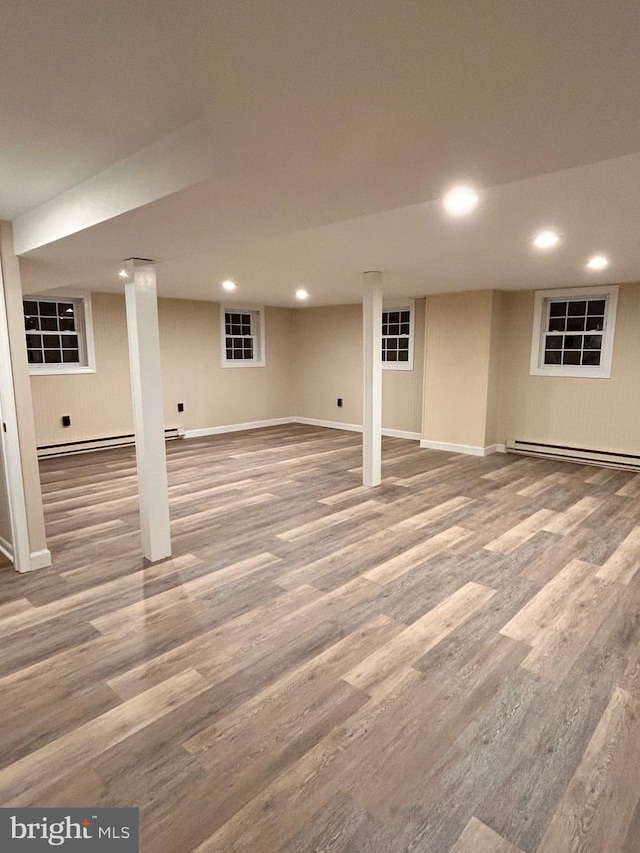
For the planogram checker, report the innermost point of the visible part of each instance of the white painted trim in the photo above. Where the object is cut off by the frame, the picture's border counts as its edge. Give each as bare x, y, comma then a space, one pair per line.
218, 430
259, 351
401, 433
6, 548
468, 449
536, 366
401, 305
84, 316
40, 559
328, 424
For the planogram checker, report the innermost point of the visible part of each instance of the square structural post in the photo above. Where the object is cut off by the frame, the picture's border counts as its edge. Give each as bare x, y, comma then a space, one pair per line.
372, 377
148, 410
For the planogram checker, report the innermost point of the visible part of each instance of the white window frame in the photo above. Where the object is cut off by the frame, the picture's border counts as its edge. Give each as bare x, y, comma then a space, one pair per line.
84, 327
401, 305
542, 298
258, 335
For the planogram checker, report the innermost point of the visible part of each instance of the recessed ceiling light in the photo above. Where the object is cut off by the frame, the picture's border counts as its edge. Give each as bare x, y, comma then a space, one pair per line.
547, 239
597, 262
122, 273
229, 285
460, 200
301, 293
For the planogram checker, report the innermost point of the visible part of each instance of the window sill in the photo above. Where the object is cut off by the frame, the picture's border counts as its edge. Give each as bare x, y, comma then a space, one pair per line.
55, 370
572, 373
243, 364
386, 365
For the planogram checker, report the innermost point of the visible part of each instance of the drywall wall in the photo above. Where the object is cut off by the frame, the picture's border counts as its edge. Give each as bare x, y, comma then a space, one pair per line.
6, 536
594, 413
190, 351
100, 403
457, 363
328, 365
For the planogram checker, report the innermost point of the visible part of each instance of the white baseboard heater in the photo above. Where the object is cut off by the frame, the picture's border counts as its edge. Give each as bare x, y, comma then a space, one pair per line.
584, 455
89, 444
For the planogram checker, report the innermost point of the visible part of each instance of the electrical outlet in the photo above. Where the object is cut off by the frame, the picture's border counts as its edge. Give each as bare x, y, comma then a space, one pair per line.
181, 407
339, 401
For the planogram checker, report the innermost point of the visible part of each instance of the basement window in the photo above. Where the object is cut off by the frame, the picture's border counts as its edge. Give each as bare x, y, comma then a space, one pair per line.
242, 337
59, 334
397, 336
573, 332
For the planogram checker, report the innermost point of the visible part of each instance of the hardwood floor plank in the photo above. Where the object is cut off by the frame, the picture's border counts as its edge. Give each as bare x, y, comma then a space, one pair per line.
424, 666
601, 800
418, 638
479, 838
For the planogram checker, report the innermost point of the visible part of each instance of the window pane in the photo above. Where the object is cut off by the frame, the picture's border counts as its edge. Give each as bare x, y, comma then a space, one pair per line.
552, 356
403, 355
558, 309
404, 329
67, 324
557, 324
554, 342
591, 357
405, 316
593, 341
47, 309
571, 357
596, 306
577, 309
34, 341
34, 356
49, 324
394, 329
575, 324
385, 328
71, 356
31, 323
229, 352
573, 341
51, 341
52, 356
595, 324
30, 307
394, 316
403, 344
392, 355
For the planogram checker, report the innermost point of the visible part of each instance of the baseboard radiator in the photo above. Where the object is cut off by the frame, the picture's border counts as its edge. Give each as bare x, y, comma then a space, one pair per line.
89, 444
584, 455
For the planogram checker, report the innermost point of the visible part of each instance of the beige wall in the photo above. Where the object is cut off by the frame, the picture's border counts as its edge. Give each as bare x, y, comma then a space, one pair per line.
328, 365
459, 356
190, 350
593, 413
100, 403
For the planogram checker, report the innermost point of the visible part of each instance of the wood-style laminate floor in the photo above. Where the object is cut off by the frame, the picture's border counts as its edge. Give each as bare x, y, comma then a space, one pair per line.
449, 663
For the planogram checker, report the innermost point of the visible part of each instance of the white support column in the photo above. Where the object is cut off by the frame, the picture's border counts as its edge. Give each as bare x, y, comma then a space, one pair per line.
372, 375
148, 411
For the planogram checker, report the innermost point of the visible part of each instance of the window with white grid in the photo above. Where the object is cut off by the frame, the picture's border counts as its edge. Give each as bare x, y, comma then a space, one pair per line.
242, 337
397, 336
58, 334
573, 332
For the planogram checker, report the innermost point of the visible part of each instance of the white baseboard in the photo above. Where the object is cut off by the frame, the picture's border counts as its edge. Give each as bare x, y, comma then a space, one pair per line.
469, 449
40, 559
392, 433
328, 424
197, 433
6, 548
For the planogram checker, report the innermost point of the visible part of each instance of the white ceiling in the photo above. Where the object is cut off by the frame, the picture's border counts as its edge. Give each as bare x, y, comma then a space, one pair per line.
325, 132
